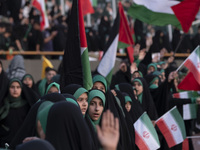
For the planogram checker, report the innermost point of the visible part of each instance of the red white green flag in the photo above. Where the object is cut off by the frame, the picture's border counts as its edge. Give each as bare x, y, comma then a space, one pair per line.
189, 111
146, 137
193, 63
186, 94
87, 7
172, 127
164, 12
87, 77
40, 5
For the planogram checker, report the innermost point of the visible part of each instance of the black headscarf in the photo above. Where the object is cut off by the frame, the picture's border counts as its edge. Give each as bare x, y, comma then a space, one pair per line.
34, 88
35, 145
66, 128
28, 127
3, 84
147, 100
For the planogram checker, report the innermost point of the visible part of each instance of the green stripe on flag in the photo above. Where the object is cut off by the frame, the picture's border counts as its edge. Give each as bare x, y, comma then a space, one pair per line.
179, 120
147, 122
161, 19
122, 45
87, 77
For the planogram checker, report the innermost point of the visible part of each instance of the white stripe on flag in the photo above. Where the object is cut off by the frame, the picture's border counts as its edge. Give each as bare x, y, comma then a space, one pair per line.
160, 6
173, 128
108, 61
145, 134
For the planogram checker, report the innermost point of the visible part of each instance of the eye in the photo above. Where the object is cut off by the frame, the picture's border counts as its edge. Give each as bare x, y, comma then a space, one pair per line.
79, 99
92, 103
100, 104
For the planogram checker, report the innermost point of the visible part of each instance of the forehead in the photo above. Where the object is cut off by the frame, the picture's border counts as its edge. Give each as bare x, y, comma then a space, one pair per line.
136, 83
96, 99
84, 95
98, 84
15, 83
51, 71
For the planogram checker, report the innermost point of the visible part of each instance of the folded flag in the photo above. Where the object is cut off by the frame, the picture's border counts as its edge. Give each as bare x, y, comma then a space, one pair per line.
146, 137
186, 94
172, 127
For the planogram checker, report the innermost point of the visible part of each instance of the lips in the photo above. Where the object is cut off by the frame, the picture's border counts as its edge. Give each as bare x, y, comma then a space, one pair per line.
96, 115
84, 109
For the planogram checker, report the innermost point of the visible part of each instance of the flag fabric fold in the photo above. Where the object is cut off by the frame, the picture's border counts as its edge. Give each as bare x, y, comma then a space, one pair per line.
189, 111
107, 63
172, 127
40, 5
86, 7
156, 12
186, 94
45, 63
146, 137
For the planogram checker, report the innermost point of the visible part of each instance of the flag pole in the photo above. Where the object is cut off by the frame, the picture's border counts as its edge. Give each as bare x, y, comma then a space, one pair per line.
179, 43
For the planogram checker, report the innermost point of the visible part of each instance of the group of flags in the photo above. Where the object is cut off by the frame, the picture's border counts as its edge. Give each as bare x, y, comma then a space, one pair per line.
76, 66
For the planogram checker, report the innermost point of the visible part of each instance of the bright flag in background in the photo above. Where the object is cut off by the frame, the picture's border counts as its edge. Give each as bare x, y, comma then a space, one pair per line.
45, 63
40, 5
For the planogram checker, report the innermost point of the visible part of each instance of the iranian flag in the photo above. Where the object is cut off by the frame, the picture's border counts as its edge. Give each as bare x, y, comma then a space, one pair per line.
193, 63
40, 5
189, 111
186, 94
189, 83
172, 127
87, 7
146, 137
107, 63
87, 77
163, 12
125, 36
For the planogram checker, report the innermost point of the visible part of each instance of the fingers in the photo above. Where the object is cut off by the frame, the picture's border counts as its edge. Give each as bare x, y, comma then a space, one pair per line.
111, 116
99, 132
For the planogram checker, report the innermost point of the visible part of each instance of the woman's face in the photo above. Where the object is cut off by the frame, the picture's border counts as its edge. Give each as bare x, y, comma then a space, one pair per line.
83, 102
138, 87
128, 106
15, 89
150, 70
156, 82
0, 68
99, 86
95, 108
53, 89
28, 81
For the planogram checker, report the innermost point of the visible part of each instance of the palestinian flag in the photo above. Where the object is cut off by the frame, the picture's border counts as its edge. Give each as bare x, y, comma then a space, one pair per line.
172, 127
186, 94
189, 111
87, 77
75, 65
163, 12
107, 63
40, 5
189, 83
45, 63
193, 63
87, 7
125, 36
146, 137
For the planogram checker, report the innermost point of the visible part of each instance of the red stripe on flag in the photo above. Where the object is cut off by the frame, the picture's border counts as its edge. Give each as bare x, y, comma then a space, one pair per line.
38, 6
176, 95
193, 69
87, 7
81, 26
166, 133
140, 142
185, 144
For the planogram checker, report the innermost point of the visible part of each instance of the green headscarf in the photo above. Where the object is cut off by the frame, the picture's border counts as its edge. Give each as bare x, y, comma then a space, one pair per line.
153, 65
53, 84
153, 86
157, 73
101, 95
100, 78
11, 102
79, 92
42, 86
27, 76
128, 99
42, 114
72, 101
140, 95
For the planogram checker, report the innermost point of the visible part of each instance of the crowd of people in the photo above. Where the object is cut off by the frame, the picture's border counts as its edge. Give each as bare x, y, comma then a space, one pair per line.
44, 115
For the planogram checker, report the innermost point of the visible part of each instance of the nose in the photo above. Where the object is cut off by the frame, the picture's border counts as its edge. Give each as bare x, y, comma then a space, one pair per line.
97, 108
84, 103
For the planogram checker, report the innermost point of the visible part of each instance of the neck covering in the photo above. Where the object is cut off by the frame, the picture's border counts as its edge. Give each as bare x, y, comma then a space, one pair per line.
35, 145
53, 84
34, 85
147, 100
75, 90
100, 78
71, 129
16, 68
